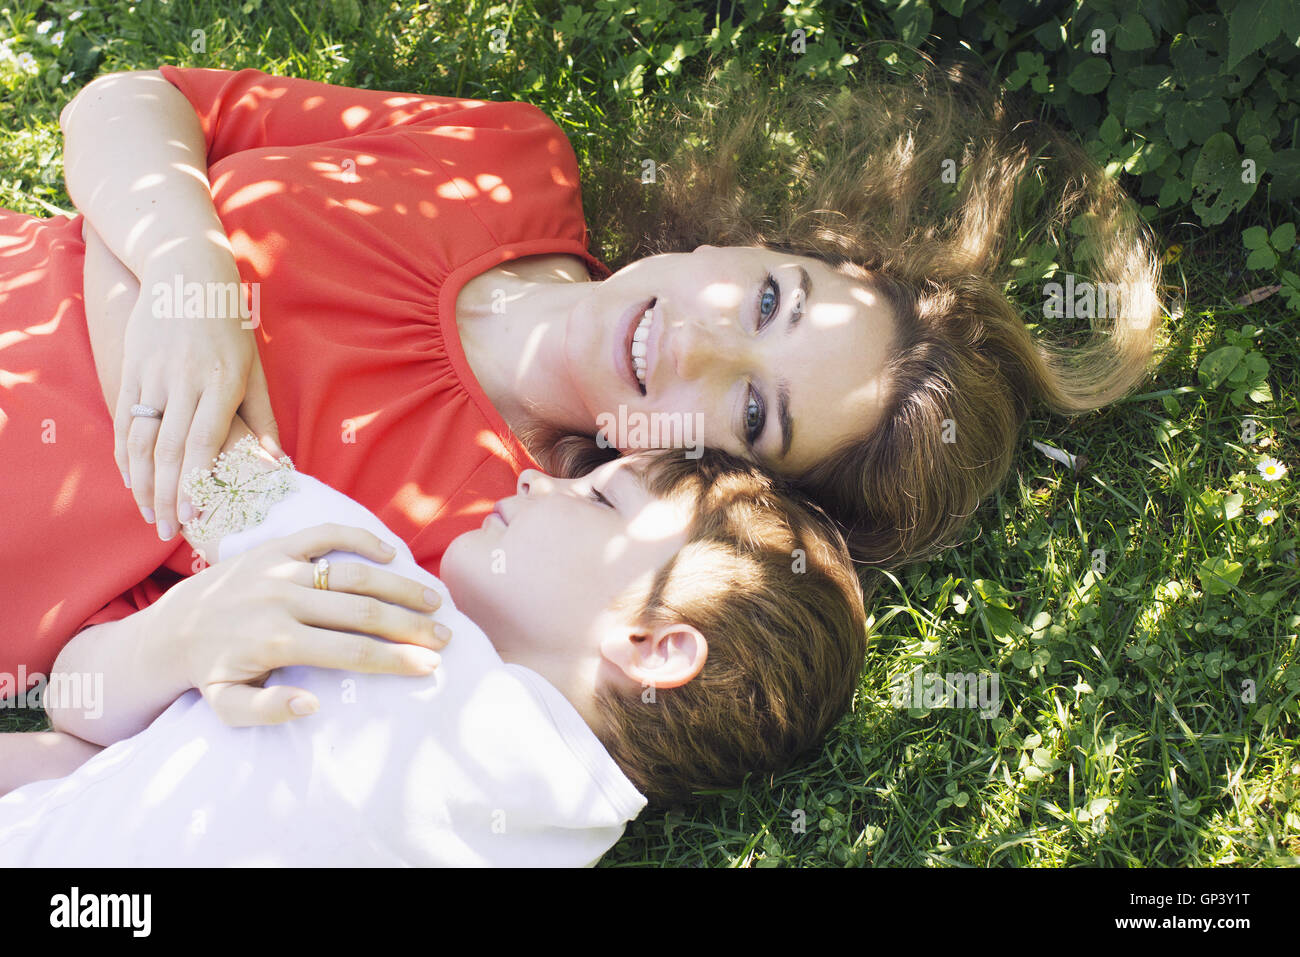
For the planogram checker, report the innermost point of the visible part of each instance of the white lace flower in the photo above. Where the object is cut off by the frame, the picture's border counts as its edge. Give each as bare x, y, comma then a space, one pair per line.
236, 492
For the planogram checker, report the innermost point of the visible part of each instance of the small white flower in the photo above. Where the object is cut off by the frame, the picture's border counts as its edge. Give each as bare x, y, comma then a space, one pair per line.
1266, 516
44, 27
57, 39
66, 77
28, 63
236, 492
1271, 469
74, 15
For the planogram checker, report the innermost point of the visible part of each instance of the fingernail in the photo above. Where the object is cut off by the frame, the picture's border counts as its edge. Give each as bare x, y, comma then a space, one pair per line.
148, 515
165, 531
302, 705
443, 632
126, 480
185, 513
427, 660
431, 598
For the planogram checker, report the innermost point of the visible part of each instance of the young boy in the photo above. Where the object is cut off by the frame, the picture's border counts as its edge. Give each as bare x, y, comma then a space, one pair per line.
657, 627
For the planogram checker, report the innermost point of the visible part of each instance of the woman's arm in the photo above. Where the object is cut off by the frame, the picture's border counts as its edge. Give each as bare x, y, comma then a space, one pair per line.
135, 162
111, 293
136, 167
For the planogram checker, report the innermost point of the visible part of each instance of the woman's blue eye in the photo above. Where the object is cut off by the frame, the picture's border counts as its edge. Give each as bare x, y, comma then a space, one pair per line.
754, 417
772, 294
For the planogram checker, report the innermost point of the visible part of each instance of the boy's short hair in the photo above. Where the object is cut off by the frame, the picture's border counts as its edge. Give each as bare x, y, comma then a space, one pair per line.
767, 579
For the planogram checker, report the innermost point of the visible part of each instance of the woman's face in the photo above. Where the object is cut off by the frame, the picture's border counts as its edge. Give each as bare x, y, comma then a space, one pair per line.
770, 356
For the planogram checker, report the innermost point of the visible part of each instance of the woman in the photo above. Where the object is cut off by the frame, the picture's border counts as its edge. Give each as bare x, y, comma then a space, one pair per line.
855, 338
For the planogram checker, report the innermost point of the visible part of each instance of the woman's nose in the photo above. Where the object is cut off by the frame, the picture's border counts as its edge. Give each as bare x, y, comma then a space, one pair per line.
698, 347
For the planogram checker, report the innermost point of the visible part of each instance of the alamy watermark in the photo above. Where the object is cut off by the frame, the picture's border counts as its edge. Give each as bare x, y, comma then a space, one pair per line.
74, 690
965, 689
1084, 299
651, 430
179, 299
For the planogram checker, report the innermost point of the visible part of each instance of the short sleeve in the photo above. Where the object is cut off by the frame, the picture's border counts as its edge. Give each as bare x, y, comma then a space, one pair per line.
249, 109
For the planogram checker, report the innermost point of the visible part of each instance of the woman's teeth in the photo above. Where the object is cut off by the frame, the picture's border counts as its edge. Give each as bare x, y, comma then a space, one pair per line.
638, 346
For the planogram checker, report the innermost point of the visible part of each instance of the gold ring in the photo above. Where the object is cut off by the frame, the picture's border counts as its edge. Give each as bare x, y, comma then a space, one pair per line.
322, 574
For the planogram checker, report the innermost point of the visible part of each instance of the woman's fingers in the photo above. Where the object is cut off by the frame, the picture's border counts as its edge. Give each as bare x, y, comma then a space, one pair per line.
242, 705
358, 579
122, 428
256, 409
324, 648
141, 436
207, 433
169, 447
341, 611
309, 543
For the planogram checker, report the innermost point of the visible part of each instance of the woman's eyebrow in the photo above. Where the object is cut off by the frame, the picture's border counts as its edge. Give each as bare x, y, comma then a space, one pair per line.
783, 414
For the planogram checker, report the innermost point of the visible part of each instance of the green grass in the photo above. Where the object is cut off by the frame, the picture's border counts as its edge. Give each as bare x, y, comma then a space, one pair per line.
1126, 733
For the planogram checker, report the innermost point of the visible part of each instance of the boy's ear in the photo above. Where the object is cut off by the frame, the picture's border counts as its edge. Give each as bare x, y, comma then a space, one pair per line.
667, 657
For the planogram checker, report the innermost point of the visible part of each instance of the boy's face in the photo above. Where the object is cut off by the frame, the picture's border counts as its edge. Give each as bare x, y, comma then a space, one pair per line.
557, 573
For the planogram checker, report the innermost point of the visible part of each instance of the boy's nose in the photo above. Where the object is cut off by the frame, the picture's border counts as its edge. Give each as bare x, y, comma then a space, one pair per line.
532, 479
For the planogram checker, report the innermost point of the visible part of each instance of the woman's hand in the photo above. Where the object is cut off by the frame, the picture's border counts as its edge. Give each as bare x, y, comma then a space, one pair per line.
198, 370
224, 629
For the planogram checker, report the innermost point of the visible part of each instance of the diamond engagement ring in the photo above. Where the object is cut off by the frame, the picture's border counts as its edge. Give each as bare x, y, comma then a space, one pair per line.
322, 574
146, 410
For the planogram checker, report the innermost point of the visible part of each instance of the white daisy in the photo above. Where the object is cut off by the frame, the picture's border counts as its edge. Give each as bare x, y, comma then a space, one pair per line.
44, 27
1266, 516
1271, 469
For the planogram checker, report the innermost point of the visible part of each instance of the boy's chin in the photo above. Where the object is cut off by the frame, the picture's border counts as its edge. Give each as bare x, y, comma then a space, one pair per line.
458, 559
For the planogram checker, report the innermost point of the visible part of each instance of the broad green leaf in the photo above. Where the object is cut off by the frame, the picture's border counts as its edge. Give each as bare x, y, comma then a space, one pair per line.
1134, 34
1143, 107
1251, 24
1219, 575
1254, 237
1110, 131
1218, 180
1091, 76
912, 19
1263, 258
1283, 237
1218, 365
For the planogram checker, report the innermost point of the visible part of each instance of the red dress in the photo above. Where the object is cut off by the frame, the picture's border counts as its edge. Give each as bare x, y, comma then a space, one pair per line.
361, 214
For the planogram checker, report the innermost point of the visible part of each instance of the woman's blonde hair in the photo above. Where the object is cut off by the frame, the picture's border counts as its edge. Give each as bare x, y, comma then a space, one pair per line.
926, 189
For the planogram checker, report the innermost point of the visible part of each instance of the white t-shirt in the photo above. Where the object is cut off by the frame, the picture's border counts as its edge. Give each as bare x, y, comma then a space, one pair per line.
480, 763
